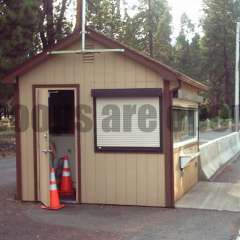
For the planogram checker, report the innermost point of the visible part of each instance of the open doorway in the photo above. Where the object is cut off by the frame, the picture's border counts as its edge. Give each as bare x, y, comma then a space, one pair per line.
62, 137
56, 139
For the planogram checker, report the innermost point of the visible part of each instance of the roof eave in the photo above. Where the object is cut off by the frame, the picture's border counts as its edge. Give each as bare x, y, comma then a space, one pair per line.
193, 83
165, 71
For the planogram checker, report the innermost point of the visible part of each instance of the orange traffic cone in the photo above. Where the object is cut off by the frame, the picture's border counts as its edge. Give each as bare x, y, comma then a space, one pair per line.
54, 195
66, 182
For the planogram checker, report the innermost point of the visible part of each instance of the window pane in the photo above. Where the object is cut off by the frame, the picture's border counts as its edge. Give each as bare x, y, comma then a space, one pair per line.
184, 125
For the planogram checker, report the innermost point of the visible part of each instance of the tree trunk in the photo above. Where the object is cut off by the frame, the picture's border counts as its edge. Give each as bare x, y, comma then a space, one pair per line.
43, 37
78, 15
43, 40
151, 44
226, 78
61, 17
48, 12
214, 96
150, 33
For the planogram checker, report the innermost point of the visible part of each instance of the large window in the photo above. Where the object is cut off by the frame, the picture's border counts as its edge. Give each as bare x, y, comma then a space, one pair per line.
185, 125
125, 122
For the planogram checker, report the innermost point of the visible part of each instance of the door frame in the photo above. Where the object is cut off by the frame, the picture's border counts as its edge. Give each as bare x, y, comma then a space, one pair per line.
76, 88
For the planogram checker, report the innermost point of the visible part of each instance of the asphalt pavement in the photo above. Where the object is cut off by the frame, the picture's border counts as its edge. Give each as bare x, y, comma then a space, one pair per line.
27, 221
7, 172
207, 136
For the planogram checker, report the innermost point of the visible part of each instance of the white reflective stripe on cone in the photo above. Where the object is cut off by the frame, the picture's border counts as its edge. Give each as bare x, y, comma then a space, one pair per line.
66, 174
53, 176
65, 165
53, 187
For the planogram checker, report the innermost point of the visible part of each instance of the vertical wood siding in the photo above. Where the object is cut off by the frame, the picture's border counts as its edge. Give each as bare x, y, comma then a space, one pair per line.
107, 178
184, 181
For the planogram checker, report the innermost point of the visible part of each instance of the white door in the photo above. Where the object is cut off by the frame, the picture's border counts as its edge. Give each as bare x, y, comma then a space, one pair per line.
43, 150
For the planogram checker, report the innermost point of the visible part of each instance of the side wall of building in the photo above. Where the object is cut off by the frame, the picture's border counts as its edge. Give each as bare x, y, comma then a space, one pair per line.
106, 178
186, 179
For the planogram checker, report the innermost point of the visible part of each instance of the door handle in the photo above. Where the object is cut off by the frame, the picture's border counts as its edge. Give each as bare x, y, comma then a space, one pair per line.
47, 151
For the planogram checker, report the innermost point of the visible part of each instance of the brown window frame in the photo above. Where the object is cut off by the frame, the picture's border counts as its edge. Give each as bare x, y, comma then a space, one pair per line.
136, 92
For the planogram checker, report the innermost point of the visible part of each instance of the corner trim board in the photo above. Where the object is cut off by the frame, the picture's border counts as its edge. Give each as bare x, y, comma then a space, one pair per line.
18, 143
168, 145
34, 123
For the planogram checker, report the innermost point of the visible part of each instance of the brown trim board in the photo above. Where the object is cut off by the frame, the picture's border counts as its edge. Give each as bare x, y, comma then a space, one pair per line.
34, 123
77, 114
132, 92
168, 144
79, 144
18, 143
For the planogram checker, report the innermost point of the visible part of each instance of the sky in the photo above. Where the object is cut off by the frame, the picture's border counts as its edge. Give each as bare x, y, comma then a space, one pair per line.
191, 7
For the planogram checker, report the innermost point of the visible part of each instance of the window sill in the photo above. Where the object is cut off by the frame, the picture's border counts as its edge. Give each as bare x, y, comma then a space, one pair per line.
184, 143
128, 150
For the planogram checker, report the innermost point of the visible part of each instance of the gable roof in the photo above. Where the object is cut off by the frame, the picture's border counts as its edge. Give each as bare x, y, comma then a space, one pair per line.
164, 70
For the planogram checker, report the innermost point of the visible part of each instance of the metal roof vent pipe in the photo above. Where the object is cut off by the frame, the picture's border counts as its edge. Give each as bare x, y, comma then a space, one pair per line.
83, 38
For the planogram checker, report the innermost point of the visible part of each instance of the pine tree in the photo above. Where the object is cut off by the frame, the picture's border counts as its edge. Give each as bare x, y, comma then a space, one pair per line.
17, 37
182, 46
17, 33
78, 15
130, 29
188, 57
26, 27
154, 28
53, 24
163, 46
197, 59
105, 16
219, 45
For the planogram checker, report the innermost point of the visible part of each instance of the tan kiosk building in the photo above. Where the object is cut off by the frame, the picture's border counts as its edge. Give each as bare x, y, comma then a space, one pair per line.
128, 123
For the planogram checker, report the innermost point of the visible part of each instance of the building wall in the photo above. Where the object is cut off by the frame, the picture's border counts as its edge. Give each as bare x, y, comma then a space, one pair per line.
186, 179
107, 178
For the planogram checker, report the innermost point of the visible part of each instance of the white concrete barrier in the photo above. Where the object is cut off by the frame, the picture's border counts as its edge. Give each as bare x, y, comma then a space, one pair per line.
216, 153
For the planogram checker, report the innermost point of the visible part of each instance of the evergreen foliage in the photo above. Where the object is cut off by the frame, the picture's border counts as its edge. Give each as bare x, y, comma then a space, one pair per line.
29, 26
219, 26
